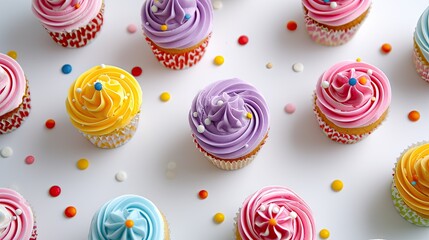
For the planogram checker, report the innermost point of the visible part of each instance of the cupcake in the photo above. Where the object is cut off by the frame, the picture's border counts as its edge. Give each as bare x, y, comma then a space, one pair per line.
178, 31
14, 95
70, 23
129, 217
16, 217
104, 105
410, 187
351, 100
334, 22
229, 122
274, 212
421, 46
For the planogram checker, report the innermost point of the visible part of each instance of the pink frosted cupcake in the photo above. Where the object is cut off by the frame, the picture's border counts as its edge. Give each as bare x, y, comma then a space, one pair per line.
421, 46
16, 217
334, 22
275, 212
14, 95
351, 100
71, 23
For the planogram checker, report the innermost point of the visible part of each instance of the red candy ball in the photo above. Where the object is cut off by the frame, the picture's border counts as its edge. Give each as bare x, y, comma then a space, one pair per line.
54, 191
243, 40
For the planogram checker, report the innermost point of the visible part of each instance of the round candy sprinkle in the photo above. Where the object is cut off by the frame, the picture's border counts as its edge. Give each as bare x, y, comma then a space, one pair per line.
414, 116
82, 164
195, 114
269, 65
337, 185
70, 211
18, 211
129, 223
187, 16
132, 28
6, 152
290, 108
386, 48
50, 123
203, 194
165, 96
77, 5
154, 8
136, 71
66, 68
200, 128
243, 40
219, 218
29, 159
207, 121
249, 115
324, 233
298, 67
164, 27
13, 54
219, 60
98, 86
291, 25
413, 183
54, 191
217, 4
358, 59
333, 5
325, 84
352, 81
362, 80
121, 176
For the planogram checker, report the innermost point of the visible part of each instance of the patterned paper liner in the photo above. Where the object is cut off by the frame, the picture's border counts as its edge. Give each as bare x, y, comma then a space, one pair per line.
177, 59
79, 37
34, 232
117, 138
328, 37
15, 118
406, 212
421, 67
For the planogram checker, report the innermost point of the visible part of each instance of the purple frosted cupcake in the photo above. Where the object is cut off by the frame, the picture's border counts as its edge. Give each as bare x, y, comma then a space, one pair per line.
178, 31
229, 120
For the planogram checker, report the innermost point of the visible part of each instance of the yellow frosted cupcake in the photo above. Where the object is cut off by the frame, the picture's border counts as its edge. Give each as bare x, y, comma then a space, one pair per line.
104, 105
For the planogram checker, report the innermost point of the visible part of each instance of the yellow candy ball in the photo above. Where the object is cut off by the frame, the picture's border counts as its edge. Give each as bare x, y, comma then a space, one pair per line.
337, 185
358, 59
164, 27
219, 217
82, 164
324, 233
219, 60
165, 96
12, 54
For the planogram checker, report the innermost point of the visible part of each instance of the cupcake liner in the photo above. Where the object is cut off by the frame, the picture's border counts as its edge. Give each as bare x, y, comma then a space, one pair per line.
177, 59
79, 37
117, 138
329, 37
34, 233
422, 67
13, 120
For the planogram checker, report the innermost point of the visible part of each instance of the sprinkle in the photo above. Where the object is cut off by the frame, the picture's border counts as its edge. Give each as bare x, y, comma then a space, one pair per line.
6, 152
290, 108
18, 211
219, 103
207, 121
262, 208
54, 191
246, 145
77, 5
165, 96
333, 5
50, 123
29, 159
78, 90
217, 4
14, 218
122, 76
171, 165
82, 164
272, 222
164, 27
369, 72
373, 99
132, 28
195, 114
154, 8
362, 80
298, 67
200, 128
136, 71
73, 100
276, 210
352, 81
413, 183
98, 86
219, 60
337, 185
291, 25
325, 84
129, 223
187, 16
386, 48
269, 65
243, 40
103, 65
358, 59
121, 176
324, 233
414, 116
13, 54
70, 211
66, 68
415, 177
326, 1
293, 215
219, 218
203, 194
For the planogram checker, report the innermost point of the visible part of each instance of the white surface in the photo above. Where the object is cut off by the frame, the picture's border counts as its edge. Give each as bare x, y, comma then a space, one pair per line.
297, 153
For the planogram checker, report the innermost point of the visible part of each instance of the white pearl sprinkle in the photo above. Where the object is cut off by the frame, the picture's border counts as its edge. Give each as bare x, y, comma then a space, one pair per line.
122, 76
171, 165
369, 72
154, 8
373, 99
6, 152
262, 208
246, 145
334, 5
201, 128
78, 90
217, 4
102, 66
195, 114
207, 121
276, 210
298, 67
219, 103
121, 176
325, 84
18, 211
293, 214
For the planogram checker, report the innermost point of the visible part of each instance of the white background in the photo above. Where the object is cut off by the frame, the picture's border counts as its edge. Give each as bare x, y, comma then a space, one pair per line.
297, 154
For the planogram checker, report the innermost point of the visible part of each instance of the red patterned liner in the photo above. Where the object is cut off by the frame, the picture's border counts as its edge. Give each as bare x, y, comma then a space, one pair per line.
15, 120
34, 232
421, 67
177, 61
79, 37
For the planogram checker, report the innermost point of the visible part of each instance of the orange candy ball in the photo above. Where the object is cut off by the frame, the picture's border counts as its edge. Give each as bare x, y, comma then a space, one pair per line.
203, 194
70, 211
386, 48
414, 116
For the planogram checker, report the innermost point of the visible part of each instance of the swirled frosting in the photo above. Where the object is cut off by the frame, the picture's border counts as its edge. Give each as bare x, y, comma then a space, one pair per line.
65, 15
353, 94
335, 12
186, 22
412, 178
16, 217
229, 118
12, 84
127, 217
103, 99
421, 34
275, 213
